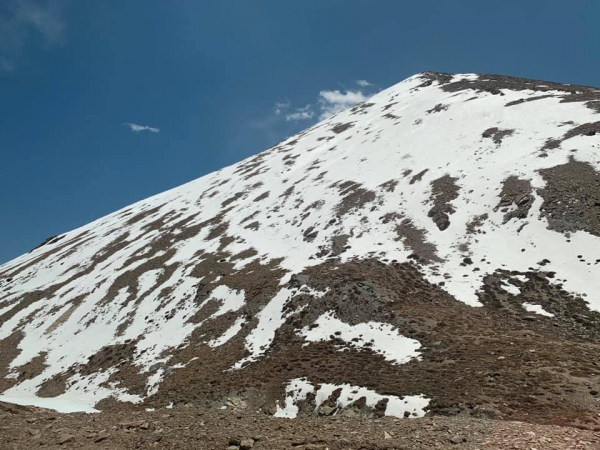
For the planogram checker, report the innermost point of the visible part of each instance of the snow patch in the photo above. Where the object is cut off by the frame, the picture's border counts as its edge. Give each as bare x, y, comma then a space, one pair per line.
298, 389
537, 309
381, 338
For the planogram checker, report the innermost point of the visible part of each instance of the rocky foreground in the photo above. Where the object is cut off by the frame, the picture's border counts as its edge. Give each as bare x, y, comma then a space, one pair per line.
191, 428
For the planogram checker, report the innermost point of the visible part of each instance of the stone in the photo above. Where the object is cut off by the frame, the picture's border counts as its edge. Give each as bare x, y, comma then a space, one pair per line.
246, 444
299, 280
100, 437
236, 403
155, 367
457, 440
65, 438
326, 410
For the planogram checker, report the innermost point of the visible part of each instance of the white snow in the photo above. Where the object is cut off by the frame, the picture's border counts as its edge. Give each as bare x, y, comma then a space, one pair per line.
80, 395
537, 309
59, 404
382, 337
148, 280
231, 300
298, 389
510, 288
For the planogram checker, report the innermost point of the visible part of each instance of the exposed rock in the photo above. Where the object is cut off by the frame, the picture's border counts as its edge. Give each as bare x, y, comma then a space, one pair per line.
64, 438
516, 194
497, 134
570, 197
443, 191
246, 444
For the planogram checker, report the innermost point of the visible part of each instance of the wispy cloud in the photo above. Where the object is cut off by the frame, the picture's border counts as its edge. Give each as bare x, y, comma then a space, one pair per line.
326, 104
281, 107
137, 128
19, 18
285, 118
300, 114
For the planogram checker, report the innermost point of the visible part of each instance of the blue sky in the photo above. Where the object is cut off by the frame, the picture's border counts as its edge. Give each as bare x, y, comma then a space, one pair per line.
220, 80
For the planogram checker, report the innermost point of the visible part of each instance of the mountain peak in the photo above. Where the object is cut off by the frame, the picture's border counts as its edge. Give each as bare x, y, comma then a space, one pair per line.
420, 235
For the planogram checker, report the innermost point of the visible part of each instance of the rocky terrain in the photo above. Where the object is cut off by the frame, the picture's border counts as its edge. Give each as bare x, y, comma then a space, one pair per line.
190, 428
430, 254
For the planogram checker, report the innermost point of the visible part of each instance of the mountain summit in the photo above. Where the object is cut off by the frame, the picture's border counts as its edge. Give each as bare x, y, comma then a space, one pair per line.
432, 250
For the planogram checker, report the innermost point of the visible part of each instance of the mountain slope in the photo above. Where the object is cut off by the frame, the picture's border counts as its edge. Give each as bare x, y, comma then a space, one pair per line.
434, 249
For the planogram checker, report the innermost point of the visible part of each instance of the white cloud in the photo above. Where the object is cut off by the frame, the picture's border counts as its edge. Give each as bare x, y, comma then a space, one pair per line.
300, 114
280, 107
285, 116
137, 128
21, 18
332, 102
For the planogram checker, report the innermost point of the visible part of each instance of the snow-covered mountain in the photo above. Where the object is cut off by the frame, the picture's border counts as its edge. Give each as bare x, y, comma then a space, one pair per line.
418, 252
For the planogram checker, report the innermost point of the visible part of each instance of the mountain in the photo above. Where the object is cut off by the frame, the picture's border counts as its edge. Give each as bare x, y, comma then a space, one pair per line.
432, 250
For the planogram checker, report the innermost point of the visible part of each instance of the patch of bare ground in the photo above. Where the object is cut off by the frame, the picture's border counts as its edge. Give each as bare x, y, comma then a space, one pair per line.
9, 349
355, 197
443, 191
417, 177
389, 186
571, 197
438, 108
430, 77
516, 198
361, 108
529, 99
262, 196
475, 224
413, 238
341, 127
496, 134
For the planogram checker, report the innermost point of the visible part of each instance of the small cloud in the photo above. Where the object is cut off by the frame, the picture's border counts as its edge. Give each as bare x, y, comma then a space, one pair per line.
285, 118
300, 114
332, 102
23, 17
280, 107
137, 128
